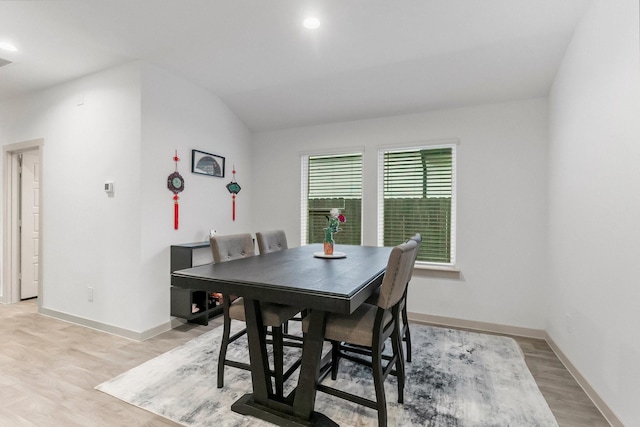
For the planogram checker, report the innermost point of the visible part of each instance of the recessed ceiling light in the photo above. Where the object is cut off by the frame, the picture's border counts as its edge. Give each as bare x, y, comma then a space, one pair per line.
311, 23
8, 46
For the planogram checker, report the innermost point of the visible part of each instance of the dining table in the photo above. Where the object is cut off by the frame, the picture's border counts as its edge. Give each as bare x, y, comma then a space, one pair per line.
302, 277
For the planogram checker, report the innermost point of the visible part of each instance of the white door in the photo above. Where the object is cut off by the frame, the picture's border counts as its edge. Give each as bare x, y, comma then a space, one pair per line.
29, 219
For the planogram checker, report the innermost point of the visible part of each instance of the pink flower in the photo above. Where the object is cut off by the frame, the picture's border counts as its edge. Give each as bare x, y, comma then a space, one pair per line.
334, 220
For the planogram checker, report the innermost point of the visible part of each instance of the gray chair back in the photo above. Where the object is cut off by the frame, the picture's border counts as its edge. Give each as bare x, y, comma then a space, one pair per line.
398, 272
418, 239
232, 246
271, 241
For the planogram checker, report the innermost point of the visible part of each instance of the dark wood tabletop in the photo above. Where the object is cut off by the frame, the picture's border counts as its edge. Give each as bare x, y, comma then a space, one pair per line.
294, 277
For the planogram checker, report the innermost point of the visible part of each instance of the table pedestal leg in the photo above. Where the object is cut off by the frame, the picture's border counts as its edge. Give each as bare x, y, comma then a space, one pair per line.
305, 396
260, 375
263, 403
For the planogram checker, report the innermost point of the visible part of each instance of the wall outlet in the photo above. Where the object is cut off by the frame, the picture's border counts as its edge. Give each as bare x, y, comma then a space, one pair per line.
90, 294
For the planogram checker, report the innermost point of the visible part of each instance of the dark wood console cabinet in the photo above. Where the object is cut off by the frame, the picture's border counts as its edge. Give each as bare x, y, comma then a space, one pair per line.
182, 299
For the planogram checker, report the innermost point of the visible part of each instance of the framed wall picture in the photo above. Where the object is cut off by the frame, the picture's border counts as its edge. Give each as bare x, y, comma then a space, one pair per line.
207, 164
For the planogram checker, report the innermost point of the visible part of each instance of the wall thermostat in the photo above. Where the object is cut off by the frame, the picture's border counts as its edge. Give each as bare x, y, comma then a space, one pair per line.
108, 187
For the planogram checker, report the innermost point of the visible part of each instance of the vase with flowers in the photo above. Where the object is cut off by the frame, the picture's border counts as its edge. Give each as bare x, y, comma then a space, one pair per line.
335, 218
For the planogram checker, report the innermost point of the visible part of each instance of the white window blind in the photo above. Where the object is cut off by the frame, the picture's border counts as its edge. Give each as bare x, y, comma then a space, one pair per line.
416, 194
331, 181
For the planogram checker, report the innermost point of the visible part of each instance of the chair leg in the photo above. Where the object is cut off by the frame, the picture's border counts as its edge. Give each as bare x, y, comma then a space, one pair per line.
396, 340
278, 359
406, 332
378, 381
226, 331
335, 359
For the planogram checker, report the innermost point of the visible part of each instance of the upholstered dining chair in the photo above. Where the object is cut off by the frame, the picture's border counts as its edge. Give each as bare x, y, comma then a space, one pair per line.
405, 332
229, 248
274, 241
271, 241
370, 326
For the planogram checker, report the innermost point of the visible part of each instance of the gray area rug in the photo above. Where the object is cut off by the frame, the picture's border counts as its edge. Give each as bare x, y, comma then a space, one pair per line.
456, 378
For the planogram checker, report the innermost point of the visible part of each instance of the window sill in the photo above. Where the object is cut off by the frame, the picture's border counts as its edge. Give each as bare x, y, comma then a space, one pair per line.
433, 270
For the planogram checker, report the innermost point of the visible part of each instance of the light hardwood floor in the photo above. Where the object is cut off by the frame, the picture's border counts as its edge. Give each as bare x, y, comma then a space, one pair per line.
49, 368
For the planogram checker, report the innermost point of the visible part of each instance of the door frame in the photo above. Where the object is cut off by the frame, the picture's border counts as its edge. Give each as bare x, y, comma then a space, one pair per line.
10, 224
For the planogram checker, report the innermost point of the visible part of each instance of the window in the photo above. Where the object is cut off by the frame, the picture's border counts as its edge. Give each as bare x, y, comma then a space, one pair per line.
331, 181
416, 194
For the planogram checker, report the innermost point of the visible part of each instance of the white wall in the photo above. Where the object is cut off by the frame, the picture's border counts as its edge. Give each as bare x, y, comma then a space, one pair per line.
594, 236
131, 120
85, 241
179, 115
501, 201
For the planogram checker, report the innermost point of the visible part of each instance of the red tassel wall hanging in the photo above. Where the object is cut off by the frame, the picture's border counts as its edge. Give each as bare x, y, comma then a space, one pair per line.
234, 188
175, 183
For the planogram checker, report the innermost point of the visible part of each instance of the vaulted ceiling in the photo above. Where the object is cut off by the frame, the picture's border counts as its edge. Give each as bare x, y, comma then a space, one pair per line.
369, 58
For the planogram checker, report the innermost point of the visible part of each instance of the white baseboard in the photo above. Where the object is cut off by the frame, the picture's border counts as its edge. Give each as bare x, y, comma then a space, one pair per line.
476, 326
103, 327
607, 413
